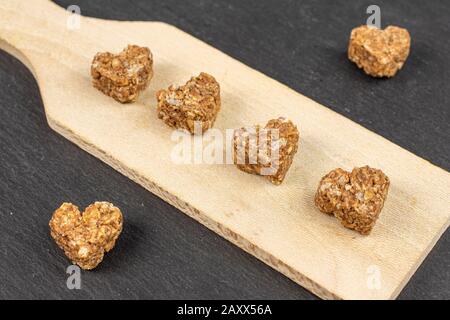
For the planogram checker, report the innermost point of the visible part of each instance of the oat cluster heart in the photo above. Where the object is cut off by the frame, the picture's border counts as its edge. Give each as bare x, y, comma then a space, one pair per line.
86, 237
380, 53
125, 75
196, 102
267, 151
354, 198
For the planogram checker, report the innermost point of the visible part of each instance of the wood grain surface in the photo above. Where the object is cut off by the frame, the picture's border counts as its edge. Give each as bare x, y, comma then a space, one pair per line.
396, 163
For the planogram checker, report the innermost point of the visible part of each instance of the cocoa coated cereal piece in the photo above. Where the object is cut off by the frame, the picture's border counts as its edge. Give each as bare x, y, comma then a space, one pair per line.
196, 102
267, 151
123, 76
380, 53
86, 237
354, 198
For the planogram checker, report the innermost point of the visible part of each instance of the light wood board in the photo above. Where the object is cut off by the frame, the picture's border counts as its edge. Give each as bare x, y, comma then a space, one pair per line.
277, 224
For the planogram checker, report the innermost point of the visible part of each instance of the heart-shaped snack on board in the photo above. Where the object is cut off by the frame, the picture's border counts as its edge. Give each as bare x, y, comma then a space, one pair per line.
193, 106
355, 198
86, 237
267, 151
380, 53
123, 76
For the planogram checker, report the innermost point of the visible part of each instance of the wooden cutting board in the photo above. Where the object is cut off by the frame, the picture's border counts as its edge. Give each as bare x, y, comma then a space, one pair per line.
277, 224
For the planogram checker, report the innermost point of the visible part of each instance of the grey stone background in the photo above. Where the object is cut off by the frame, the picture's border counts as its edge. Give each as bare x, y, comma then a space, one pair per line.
162, 253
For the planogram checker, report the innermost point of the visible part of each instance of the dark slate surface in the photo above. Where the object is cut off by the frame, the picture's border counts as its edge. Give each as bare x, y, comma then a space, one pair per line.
162, 253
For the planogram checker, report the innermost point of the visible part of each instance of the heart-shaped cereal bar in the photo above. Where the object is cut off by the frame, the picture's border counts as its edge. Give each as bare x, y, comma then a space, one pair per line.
267, 151
196, 102
381, 53
86, 237
355, 198
123, 76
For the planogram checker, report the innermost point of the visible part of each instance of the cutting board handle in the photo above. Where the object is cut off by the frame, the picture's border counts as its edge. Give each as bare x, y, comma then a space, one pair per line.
25, 26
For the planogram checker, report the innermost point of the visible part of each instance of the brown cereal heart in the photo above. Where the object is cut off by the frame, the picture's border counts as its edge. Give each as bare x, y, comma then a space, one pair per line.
355, 198
253, 148
198, 101
380, 53
86, 237
123, 76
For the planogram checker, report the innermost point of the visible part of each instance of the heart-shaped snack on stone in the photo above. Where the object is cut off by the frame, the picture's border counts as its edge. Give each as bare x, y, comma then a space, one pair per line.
267, 151
123, 76
381, 53
354, 198
86, 237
